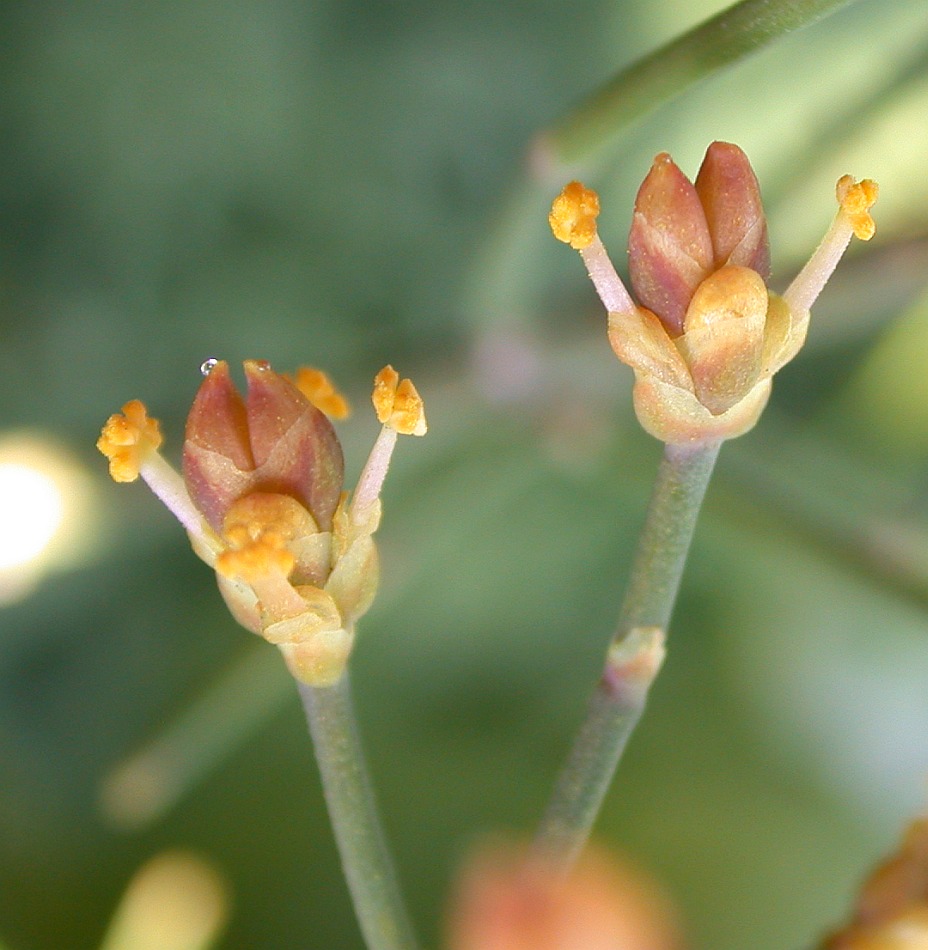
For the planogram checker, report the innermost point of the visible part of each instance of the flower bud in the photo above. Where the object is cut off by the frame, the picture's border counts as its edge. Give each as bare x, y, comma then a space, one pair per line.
706, 336
262, 502
273, 441
509, 901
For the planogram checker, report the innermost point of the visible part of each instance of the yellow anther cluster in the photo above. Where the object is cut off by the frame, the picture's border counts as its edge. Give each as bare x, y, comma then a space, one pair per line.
320, 391
398, 403
573, 215
126, 439
856, 199
253, 553
257, 530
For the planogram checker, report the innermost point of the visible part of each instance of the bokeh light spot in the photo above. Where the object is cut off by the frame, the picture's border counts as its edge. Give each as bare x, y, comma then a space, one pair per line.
47, 512
31, 511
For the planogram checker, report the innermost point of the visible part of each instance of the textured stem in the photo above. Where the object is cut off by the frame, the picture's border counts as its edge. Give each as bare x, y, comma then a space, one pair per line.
635, 653
678, 492
361, 844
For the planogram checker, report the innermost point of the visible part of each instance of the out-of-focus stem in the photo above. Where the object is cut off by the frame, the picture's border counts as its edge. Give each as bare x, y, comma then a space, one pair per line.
725, 38
496, 290
635, 653
236, 703
366, 861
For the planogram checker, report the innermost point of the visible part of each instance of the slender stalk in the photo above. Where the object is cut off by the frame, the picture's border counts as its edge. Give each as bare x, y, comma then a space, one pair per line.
169, 487
635, 652
361, 844
373, 474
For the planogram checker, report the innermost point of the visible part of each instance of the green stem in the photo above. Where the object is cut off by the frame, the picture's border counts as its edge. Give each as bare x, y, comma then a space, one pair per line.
361, 844
635, 653
723, 39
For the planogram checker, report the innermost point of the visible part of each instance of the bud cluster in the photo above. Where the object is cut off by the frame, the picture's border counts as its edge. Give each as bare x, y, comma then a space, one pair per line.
263, 502
706, 334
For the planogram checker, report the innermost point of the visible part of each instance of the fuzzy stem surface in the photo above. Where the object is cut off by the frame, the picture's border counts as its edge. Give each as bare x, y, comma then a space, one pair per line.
635, 653
365, 858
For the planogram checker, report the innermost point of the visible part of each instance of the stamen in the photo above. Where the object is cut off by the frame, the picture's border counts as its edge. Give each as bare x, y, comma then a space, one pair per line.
169, 487
255, 559
373, 474
398, 403
608, 284
278, 598
131, 442
321, 392
253, 552
573, 215
573, 221
855, 200
127, 439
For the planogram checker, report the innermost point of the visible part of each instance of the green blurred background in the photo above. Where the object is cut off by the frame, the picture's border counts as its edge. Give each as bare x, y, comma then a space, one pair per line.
319, 182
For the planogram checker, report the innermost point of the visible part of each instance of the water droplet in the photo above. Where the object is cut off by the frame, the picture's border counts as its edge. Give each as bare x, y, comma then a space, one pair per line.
206, 367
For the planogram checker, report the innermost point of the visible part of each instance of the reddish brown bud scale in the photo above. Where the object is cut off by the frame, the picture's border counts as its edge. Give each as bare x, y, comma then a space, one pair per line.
730, 197
217, 455
669, 247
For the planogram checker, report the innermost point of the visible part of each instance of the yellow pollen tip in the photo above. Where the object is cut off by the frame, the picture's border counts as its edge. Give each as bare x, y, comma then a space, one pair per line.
249, 557
856, 198
398, 403
127, 438
573, 215
320, 391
